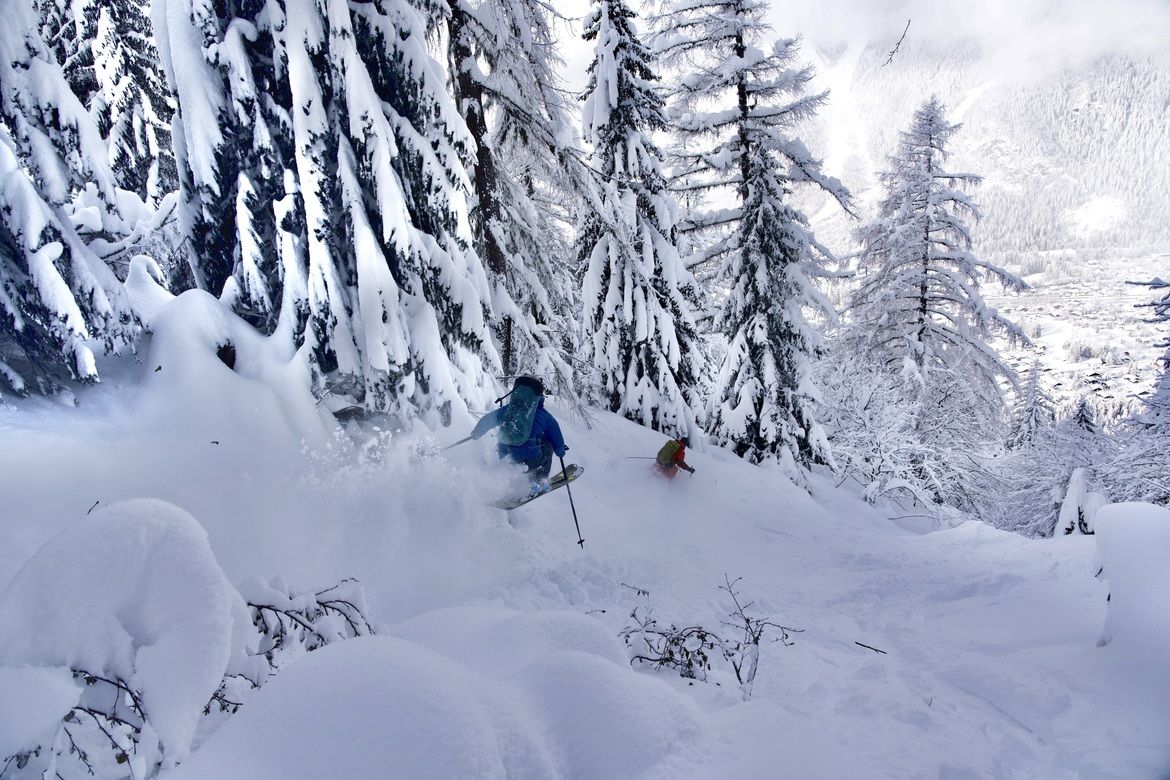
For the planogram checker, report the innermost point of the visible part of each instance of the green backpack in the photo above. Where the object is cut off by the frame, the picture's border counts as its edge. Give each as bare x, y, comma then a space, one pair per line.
517, 417
667, 453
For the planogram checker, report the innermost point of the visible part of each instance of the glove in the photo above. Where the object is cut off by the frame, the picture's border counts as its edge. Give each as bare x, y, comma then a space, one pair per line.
691, 469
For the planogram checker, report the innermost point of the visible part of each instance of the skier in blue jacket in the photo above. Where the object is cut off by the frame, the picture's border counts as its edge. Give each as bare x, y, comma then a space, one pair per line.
544, 438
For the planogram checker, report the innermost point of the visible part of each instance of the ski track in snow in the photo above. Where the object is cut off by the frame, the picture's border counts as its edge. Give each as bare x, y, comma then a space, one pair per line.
990, 666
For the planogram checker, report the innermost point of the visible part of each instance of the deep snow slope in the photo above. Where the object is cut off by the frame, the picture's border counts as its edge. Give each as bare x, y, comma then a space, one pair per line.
500, 655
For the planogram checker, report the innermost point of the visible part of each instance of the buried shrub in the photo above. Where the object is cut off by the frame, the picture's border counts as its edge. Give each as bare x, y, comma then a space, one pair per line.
689, 649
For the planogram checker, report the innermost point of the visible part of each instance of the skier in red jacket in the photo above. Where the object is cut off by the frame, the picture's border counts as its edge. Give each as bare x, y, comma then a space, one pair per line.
672, 457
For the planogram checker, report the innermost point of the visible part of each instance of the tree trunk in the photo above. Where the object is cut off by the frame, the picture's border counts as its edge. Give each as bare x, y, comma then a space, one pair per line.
486, 214
741, 95
923, 288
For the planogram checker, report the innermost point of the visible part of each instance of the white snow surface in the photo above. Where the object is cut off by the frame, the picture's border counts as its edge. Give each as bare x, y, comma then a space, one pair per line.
499, 653
132, 592
380, 706
33, 700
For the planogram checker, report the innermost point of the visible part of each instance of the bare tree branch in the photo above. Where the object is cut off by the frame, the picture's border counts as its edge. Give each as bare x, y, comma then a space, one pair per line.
897, 45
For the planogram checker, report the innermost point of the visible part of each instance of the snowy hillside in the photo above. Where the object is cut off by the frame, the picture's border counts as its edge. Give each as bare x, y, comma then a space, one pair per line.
497, 650
1071, 158
858, 347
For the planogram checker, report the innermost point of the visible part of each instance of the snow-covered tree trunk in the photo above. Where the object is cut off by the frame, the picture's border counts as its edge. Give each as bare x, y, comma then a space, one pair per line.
526, 176
638, 298
57, 298
487, 216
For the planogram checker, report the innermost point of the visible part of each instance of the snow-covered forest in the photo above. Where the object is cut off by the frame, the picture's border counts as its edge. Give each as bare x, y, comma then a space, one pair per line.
896, 277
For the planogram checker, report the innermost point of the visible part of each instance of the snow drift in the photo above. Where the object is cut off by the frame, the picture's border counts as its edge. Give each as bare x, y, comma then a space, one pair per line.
1134, 543
132, 592
226, 377
387, 707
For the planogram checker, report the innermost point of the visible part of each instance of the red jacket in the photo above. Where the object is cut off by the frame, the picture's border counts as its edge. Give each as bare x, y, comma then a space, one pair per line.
673, 453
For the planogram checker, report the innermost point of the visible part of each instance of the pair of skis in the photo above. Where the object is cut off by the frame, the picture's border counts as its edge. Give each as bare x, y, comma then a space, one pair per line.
571, 472
562, 480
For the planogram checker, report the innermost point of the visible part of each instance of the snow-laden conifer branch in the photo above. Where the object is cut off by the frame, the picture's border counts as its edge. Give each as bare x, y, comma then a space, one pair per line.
58, 297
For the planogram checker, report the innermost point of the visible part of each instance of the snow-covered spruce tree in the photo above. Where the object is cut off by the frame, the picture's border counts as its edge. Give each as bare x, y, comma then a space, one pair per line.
734, 110
504, 75
1084, 417
132, 100
637, 297
57, 298
918, 312
1036, 411
919, 298
323, 171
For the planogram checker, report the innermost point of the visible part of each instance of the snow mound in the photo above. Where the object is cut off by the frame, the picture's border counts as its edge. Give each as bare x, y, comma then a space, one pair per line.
606, 721
231, 382
132, 592
387, 707
369, 707
145, 290
1134, 543
610, 722
502, 641
32, 702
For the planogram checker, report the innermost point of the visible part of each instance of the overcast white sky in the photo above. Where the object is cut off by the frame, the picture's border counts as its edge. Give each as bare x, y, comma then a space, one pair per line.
1032, 35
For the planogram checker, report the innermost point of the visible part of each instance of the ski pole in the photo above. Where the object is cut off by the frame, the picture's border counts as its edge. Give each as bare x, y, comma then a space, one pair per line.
456, 444
639, 457
580, 539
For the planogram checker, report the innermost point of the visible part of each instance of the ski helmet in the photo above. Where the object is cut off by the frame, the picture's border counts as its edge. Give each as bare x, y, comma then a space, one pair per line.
530, 382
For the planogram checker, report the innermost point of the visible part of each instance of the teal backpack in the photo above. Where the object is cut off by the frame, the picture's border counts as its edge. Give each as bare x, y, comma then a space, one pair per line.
517, 417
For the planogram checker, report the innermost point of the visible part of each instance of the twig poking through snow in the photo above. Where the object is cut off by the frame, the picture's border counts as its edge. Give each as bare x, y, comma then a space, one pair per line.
867, 647
897, 45
639, 591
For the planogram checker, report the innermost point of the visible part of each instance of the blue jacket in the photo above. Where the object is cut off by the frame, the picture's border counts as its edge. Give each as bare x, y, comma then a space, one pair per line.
544, 429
